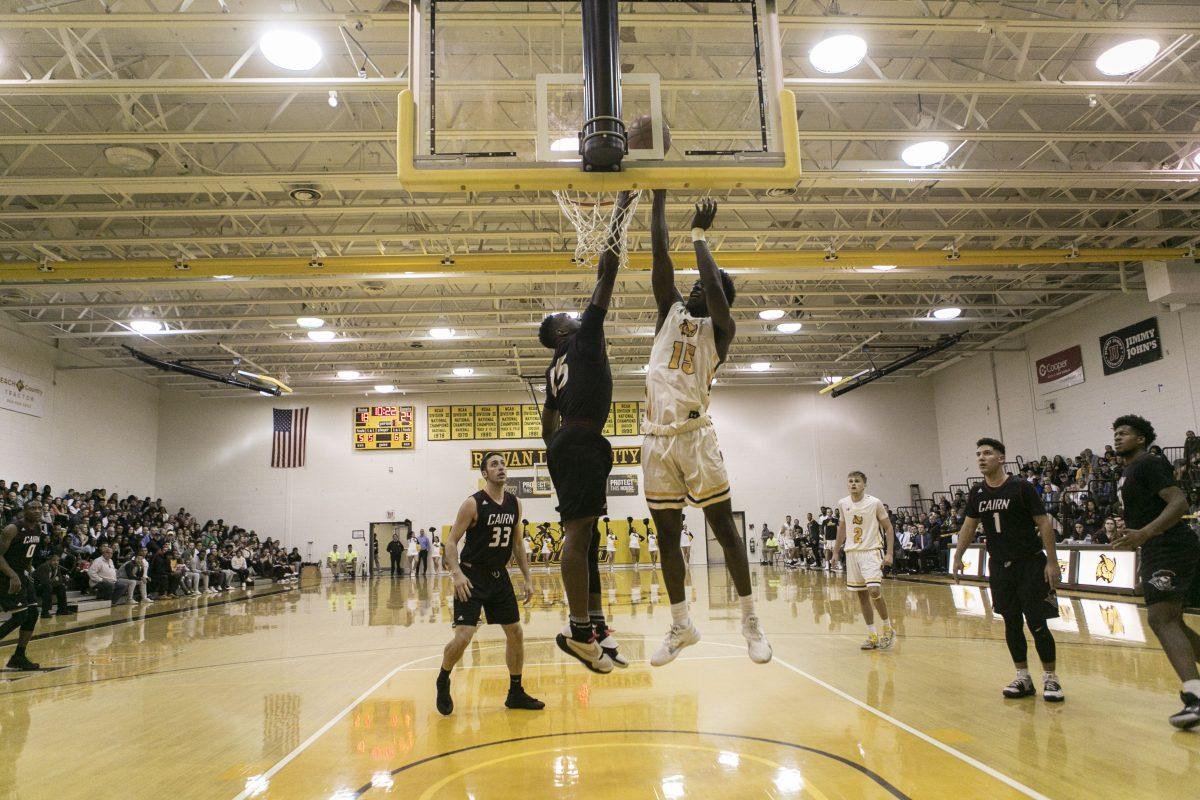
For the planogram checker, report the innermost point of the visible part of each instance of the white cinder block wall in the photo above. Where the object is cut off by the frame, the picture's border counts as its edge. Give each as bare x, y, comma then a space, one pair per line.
1167, 392
787, 452
100, 427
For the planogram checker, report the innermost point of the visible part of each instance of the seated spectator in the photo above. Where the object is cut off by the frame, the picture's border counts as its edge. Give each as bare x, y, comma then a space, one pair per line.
219, 578
51, 585
137, 570
104, 581
241, 570
350, 562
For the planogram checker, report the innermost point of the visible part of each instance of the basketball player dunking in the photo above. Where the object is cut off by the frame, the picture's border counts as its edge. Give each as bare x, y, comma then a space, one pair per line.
488, 519
18, 542
579, 391
681, 458
859, 534
1022, 577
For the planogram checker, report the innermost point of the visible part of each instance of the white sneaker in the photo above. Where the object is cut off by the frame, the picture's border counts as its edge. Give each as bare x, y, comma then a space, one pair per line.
609, 645
590, 654
146, 601
756, 641
676, 639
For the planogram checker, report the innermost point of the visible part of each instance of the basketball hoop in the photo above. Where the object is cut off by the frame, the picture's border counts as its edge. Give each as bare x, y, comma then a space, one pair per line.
592, 216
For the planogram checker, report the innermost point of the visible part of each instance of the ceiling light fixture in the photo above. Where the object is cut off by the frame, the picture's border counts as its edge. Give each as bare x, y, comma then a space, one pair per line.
1127, 57
925, 154
146, 326
760, 366
333, 98
349, 374
310, 322
947, 312
322, 336
832, 379
441, 333
463, 372
771, 314
290, 50
838, 53
788, 327
385, 388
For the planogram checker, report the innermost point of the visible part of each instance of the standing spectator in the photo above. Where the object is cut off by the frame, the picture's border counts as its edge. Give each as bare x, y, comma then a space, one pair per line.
436, 553
423, 554
414, 553
1191, 446
52, 585
395, 550
103, 578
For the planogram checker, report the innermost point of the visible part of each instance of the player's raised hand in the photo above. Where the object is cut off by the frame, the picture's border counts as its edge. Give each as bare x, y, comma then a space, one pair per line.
462, 585
706, 212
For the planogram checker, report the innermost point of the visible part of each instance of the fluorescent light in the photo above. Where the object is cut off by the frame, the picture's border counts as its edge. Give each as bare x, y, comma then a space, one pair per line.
441, 333
290, 50
947, 312
760, 366
349, 374
1127, 57
770, 313
333, 98
146, 326
322, 336
788, 327
463, 372
385, 388
310, 322
838, 53
567, 144
925, 154
883, 267
832, 379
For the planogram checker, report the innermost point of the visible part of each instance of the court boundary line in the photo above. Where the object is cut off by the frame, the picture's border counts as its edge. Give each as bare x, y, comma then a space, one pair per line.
1012, 783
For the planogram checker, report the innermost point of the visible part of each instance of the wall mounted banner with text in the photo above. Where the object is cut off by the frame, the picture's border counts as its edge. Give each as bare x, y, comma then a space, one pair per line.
1060, 370
22, 393
1130, 347
516, 421
529, 457
524, 487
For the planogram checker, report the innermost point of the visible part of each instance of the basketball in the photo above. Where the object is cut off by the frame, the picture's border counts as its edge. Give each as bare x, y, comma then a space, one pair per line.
640, 134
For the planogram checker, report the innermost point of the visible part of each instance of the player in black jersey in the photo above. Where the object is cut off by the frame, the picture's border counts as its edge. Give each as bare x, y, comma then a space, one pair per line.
1022, 577
1153, 506
18, 594
578, 400
489, 520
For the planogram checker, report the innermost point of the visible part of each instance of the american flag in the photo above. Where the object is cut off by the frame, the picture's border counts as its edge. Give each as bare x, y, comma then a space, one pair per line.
290, 427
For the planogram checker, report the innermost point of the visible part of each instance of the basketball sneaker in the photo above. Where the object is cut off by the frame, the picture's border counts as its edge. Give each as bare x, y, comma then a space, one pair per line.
588, 653
887, 637
676, 639
756, 641
1020, 687
1051, 689
445, 703
609, 645
519, 699
1189, 716
19, 661
870, 643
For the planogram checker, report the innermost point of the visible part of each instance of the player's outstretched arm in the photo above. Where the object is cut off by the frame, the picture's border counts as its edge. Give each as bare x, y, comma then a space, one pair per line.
464, 520
662, 274
710, 278
610, 259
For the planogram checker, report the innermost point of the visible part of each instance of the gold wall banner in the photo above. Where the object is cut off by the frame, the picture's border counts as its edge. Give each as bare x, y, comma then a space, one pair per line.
530, 457
384, 428
517, 421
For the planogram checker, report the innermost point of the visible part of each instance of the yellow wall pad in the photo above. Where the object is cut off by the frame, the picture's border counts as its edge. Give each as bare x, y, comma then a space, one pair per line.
546, 177
559, 262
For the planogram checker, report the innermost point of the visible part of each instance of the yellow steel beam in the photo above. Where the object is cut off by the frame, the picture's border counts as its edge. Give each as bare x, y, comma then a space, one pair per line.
559, 262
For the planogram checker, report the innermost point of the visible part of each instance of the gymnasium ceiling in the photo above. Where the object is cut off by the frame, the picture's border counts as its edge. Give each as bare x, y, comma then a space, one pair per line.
1046, 153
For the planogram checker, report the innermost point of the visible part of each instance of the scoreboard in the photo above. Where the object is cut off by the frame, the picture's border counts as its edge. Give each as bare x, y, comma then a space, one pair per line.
384, 427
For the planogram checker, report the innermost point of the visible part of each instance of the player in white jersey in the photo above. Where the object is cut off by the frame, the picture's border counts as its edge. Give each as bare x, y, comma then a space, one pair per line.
865, 533
681, 459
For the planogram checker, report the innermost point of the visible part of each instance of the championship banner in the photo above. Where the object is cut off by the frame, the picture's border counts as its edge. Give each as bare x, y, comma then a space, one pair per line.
1131, 346
517, 421
1060, 370
529, 457
22, 393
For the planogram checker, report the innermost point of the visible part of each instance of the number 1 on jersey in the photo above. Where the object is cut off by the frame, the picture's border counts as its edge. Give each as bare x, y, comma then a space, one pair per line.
996, 520
682, 356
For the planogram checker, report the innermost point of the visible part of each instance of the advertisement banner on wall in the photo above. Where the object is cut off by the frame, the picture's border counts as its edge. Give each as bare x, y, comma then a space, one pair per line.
22, 393
1060, 370
1130, 347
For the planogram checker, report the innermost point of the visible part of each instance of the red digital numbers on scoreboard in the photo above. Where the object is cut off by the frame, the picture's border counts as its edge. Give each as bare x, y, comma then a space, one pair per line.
383, 411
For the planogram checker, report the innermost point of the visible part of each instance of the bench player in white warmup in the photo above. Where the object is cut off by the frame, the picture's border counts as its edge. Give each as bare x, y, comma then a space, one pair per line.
681, 457
859, 535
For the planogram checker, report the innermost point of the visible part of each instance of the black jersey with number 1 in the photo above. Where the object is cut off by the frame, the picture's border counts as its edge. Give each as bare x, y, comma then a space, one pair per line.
1007, 514
579, 381
489, 542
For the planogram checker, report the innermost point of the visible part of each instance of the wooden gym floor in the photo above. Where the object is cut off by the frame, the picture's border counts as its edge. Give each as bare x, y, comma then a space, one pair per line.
326, 691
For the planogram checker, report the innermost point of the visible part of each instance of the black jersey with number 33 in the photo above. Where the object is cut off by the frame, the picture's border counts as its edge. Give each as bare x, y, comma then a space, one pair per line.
490, 540
1007, 513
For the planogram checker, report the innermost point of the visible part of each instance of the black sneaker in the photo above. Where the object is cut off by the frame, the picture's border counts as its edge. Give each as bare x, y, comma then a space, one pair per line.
1052, 691
445, 703
1020, 687
518, 699
24, 664
1189, 716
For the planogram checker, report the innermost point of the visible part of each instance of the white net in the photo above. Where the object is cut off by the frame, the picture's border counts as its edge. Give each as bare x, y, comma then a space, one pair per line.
593, 216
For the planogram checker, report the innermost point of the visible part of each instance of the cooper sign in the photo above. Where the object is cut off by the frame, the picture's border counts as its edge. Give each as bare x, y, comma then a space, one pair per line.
1131, 346
1060, 370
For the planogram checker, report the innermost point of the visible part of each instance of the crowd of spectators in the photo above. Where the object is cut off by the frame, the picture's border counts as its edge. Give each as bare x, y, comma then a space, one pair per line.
133, 549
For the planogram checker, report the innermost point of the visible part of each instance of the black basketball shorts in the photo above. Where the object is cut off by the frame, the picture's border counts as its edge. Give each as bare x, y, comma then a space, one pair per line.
25, 598
580, 460
492, 593
1168, 567
1020, 587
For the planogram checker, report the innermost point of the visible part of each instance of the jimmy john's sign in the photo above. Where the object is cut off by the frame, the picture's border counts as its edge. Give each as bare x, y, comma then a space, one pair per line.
1131, 346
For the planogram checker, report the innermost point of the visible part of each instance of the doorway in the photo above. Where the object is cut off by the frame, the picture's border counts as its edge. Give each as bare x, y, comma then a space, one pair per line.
381, 534
716, 556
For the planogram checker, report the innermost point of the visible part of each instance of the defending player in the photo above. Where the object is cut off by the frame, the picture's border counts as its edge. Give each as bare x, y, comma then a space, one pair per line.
1153, 506
682, 460
859, 535
578, 400
18, 542
488, 519
1022, 577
